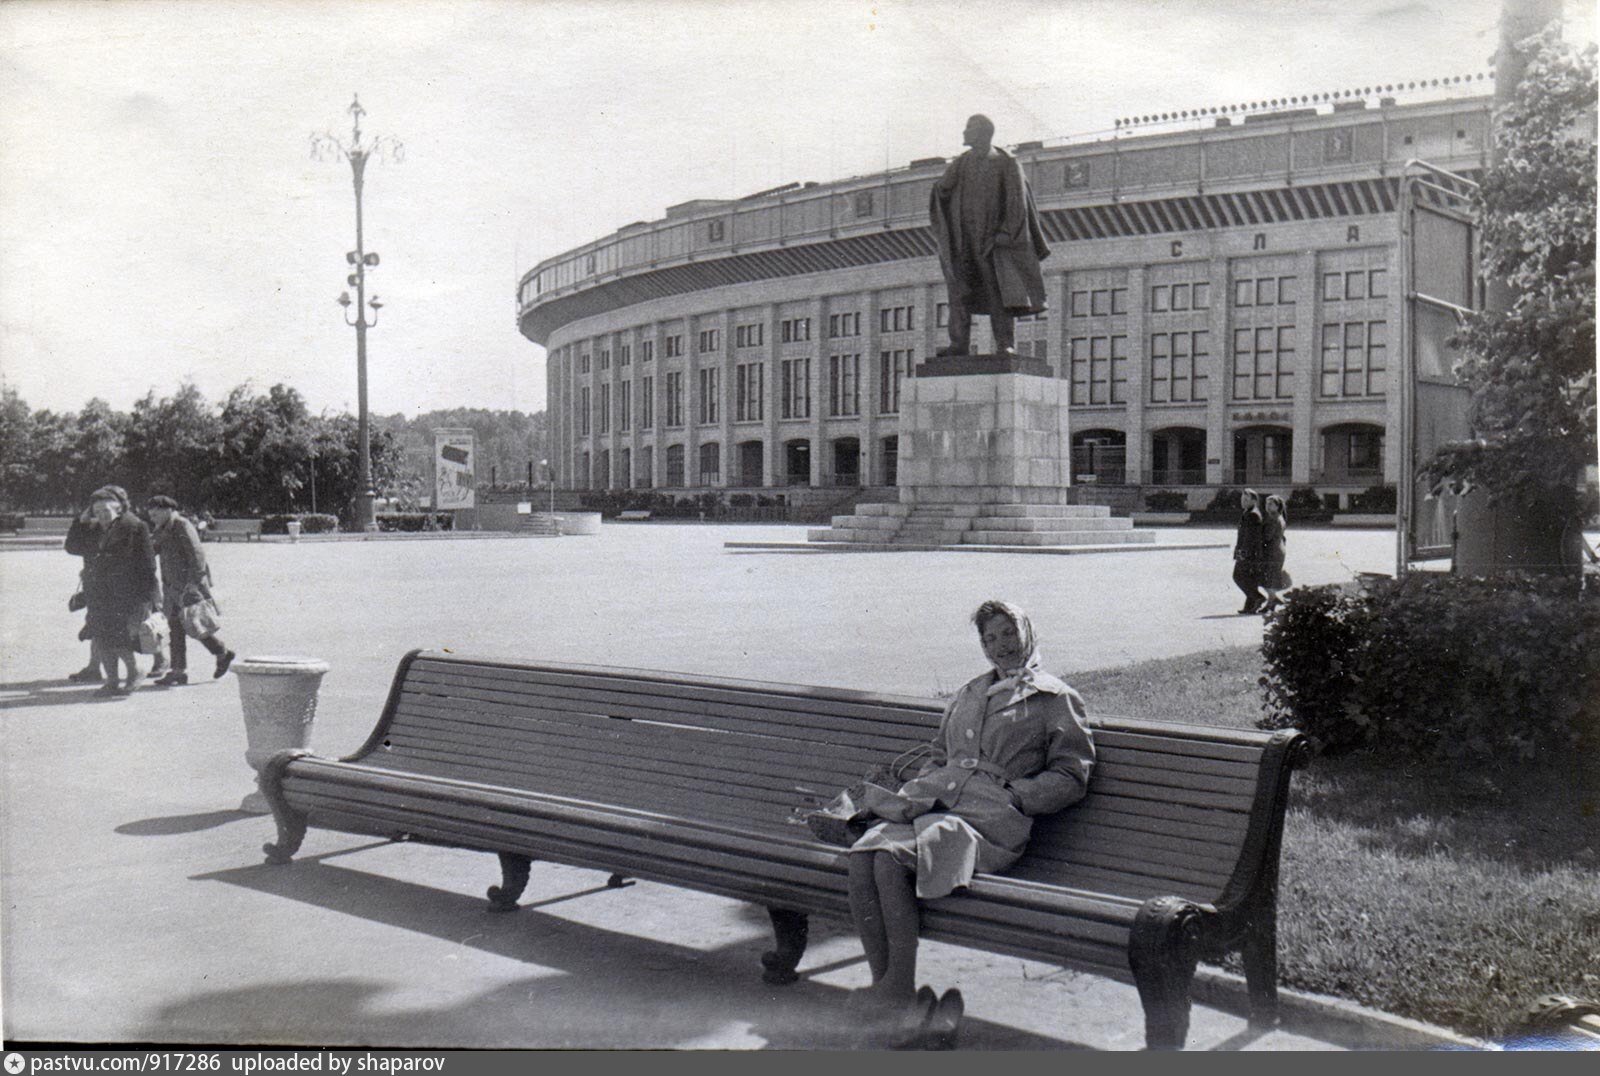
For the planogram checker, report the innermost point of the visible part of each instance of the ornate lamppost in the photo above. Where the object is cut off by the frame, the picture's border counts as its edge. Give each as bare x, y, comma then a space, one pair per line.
328, 146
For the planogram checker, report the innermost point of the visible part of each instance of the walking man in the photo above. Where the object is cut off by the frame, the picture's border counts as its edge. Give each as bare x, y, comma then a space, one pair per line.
185, 579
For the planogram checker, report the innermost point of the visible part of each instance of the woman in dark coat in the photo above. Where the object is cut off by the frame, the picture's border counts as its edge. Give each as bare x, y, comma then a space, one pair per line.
1247, 551
1274, 522
119, 584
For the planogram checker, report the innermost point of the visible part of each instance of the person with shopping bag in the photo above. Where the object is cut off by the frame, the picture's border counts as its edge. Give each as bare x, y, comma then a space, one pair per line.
187, 602
119, 584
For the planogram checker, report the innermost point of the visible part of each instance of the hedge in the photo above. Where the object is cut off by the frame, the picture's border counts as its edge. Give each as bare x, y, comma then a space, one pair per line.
415, 521
1167, 500
1438, 667
310, 523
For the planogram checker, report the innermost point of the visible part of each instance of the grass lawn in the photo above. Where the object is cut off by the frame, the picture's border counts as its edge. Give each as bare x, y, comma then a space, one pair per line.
1447, 896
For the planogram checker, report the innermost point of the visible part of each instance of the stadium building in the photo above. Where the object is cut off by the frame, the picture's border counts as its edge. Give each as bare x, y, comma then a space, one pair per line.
1226, 301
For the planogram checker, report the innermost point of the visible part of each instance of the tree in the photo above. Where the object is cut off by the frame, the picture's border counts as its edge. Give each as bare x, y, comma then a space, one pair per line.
266, 441
17, 449
1531, 366
172, 445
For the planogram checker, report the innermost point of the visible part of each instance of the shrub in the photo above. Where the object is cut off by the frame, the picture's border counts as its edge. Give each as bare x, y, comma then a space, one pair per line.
741, 500
1166, 500
310, 523
1304, 506
415, 521
1381, 499
1437, 667
11, 521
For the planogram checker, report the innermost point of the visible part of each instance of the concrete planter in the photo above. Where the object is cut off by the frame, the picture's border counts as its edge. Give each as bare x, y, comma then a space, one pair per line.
294, 530
279, 698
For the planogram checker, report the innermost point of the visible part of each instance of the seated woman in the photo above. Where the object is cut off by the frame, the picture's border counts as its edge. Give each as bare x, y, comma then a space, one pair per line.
1013, 743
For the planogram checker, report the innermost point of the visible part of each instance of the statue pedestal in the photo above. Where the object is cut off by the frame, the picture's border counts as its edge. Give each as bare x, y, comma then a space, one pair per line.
984, 429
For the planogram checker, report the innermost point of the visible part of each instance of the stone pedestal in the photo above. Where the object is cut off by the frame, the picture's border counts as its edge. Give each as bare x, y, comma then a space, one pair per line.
279, 698
984, 429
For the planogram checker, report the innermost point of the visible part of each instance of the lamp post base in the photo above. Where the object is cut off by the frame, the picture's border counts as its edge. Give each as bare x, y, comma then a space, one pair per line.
366, 518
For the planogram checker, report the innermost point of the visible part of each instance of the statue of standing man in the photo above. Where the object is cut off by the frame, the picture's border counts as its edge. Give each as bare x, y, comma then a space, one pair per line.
990, 242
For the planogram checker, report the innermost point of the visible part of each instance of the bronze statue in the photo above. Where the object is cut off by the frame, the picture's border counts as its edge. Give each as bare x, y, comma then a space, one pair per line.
990, 242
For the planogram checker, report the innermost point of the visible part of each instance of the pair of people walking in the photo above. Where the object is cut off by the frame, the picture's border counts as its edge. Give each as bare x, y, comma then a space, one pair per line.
1259, 551
121, 589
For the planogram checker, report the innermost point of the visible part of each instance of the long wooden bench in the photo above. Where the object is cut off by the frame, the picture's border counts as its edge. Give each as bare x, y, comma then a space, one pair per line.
246, 530
690, 780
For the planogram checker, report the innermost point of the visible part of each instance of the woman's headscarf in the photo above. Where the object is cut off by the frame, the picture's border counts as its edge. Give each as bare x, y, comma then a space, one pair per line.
1283, 509
111, 493
1025, 674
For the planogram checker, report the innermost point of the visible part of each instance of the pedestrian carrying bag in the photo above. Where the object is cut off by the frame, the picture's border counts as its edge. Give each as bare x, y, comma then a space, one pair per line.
201, 619
152, 634
77, 601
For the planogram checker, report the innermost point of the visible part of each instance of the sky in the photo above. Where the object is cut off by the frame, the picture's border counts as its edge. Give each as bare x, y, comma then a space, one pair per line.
162, 219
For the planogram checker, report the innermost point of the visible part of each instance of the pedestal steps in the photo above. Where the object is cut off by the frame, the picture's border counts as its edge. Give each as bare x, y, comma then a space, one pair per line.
982, 524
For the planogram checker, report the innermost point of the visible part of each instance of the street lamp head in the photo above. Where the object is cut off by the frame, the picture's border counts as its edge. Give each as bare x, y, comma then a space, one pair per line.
344, 299
374, 303
370, 260
350, 257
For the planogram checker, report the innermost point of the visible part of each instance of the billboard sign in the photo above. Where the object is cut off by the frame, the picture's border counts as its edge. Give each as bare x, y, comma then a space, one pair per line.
454, 464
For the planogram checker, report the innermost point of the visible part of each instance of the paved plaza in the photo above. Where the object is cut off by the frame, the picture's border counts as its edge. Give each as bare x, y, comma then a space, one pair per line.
137, 907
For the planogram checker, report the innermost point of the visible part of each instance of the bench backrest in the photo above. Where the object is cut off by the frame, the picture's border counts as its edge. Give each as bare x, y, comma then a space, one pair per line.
236, 526
1172, 810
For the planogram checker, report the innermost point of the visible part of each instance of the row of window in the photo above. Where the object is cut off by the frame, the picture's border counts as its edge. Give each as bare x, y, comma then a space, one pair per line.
1342, 286
1354, 364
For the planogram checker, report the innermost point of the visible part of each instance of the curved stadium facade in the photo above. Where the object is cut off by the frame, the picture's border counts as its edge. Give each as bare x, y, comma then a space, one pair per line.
1226, 304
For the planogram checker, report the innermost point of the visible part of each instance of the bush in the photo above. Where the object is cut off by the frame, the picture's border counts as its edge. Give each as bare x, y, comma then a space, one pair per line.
1166, 500
1378, 499
1305, 506
1437, 667
310, 523
11, 521
415, 521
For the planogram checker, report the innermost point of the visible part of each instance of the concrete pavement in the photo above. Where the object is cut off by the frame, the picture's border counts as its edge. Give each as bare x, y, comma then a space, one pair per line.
137, 908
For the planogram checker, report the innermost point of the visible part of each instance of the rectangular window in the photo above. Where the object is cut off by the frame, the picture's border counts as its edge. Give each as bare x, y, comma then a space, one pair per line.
1099, 370
844, 385
1354, 358
1283, 389
674, 346
675, 465
893, 367
1160, 368
751, 335
1078, 357
1366, 452
647, 350
710, 393
847, 324
625, 355
625, 406
796, 402
750, 392
710, 340
1100, 303
1080, 304
1263, 363
1244, 292
1332, 359
1200, 365
605, 358
604, 410
583, 363
894, 319
1355, 347
647, 466
1355, 284
1332, 287
1378, 284
1286, 290
1275, 455
583, 411
1119, 300
796, 330
674, 402
1180, 296
1160, 299
1119, 369
1202, 296
1267, 291
941, 316
1377, 357
647, 403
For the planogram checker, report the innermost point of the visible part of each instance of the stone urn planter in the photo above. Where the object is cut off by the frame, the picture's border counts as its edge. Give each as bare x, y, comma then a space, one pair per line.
279, 698
293, 527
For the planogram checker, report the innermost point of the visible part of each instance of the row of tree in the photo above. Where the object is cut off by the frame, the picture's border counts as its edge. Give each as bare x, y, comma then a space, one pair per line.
253, 454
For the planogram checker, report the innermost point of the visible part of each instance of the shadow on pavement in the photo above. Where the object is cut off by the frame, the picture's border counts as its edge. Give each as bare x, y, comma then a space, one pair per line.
57, 692
595, 988
172, 825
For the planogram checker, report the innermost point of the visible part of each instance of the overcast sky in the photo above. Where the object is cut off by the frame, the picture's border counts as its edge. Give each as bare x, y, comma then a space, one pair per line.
161, 218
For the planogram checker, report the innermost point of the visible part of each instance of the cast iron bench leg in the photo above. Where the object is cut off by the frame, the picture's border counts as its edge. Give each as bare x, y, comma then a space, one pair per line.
291, 823
1261, 970
792, 930
1162, 951
513, 880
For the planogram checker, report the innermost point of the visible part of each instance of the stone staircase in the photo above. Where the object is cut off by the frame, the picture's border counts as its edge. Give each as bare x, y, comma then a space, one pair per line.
540, 523
925, 526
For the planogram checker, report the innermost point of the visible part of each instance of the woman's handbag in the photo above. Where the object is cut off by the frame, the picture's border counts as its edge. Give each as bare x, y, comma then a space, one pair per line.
843, 819
152, 634
201, 618
77, 601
